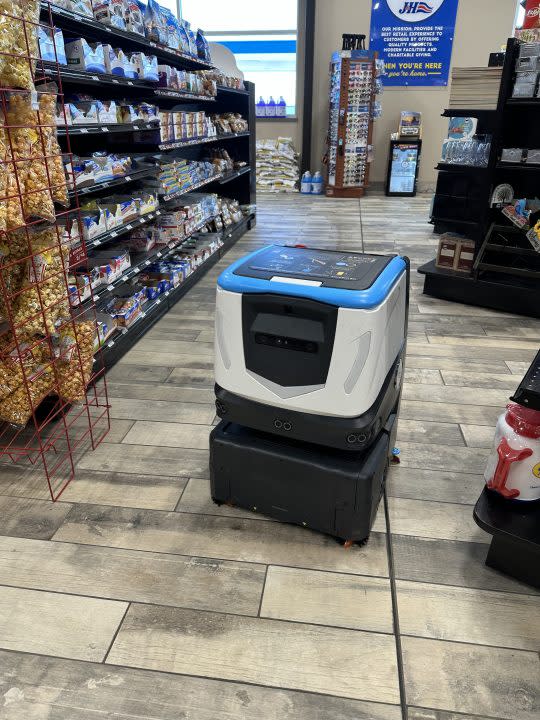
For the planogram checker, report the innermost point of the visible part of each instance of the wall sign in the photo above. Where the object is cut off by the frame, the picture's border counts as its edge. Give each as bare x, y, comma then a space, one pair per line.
415, 39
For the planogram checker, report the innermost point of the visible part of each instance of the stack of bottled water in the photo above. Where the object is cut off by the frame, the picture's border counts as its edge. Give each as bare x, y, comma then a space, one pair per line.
311, 184
271, 108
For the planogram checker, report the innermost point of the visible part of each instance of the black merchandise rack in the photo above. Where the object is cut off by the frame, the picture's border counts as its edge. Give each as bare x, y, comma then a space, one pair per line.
506, 270
142, 141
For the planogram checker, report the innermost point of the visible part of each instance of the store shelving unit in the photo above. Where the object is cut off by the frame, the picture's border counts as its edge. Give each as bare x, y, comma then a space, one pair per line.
506, 268
350, 126
142, 140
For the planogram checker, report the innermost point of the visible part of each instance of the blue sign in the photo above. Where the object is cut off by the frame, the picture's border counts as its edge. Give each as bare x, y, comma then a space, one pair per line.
414, 39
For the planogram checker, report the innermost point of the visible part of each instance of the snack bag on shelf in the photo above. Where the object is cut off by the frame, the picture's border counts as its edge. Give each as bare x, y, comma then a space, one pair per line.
134, 16
75, 353
203, 49
154, 23
28, 147
532, 15
110, 12
43, 301
18, 43
53, 153
17, 408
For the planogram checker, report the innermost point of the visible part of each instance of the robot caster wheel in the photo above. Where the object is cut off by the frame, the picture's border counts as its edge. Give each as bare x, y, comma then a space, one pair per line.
347, 544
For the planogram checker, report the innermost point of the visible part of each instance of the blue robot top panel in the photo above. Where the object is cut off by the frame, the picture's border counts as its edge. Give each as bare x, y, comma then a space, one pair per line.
344, 279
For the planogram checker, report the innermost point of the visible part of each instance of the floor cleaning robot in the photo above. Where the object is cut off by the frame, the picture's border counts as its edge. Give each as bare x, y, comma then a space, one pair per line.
309, 349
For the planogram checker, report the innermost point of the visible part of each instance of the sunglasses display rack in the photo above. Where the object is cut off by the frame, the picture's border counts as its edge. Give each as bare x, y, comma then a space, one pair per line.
353, 85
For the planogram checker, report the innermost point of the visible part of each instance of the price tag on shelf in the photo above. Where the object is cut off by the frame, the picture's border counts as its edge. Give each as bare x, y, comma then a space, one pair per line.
104, 129
158, 302
129, 227
83, 130
110, 344
148, 262
116, 82
160, 254
105, 184
137, 271
167, 293
128, 177
110, 287
143, 314
129, 82
158, 212
107, 28
114, 233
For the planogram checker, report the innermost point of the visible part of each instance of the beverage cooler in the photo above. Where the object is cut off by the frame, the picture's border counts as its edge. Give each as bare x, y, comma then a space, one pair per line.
354, 84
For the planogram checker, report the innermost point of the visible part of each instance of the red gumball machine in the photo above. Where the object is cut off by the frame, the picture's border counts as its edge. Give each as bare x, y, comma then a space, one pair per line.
513, 467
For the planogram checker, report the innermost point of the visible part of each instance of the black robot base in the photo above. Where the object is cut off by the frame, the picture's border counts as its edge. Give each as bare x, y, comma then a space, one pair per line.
352, 434
323, 489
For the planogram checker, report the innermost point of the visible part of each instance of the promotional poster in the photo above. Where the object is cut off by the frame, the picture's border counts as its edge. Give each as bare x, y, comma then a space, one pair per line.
415, 40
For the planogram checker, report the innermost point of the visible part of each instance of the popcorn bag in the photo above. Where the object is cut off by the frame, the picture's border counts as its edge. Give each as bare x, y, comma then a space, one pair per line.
18, 42
75, 351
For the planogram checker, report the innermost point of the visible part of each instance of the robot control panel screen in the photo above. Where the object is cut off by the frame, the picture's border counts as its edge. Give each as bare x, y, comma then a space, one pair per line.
313, 263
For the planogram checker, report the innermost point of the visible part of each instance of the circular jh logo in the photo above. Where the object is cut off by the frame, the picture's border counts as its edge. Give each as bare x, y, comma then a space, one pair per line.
414, 10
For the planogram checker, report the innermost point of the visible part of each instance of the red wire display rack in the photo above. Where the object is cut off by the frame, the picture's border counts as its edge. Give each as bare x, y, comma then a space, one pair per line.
53, 395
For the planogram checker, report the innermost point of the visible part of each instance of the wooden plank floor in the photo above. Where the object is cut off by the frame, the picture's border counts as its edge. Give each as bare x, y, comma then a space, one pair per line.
135, 597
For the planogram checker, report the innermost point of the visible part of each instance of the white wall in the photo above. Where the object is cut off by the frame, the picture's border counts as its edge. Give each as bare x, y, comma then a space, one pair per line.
482, 27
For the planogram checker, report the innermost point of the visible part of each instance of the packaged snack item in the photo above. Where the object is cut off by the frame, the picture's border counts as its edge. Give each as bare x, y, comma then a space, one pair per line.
146, 66
110, 12
49, 39
130, 68
203, 49
13, 249
134, 16
82, 55
114, 60
42, 301
107, 112
28, 148
155, 23
76, 356
19, 355
17, 408
83, 7
18, 42
53, 154
173, 29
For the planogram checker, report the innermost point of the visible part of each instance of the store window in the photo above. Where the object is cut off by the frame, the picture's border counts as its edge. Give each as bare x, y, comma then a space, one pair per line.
520, 17
264, 43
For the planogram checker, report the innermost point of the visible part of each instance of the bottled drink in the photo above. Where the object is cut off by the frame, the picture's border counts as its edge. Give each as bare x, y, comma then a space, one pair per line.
281, 107
260, 108
317, 184
305, 184
271, 108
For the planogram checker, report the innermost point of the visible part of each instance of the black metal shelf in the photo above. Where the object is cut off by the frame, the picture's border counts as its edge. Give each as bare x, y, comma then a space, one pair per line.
122, 229
76, 130
179, 95
527, 102
175, 195
107, 184
511, 249
124, 339
236, 91
468, 112
451, 221
143, 262
516, 166
178, 144
233, 175
454, 167
88, 27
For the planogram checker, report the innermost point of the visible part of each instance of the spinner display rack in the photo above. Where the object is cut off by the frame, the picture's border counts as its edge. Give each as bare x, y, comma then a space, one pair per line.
506, 269
53, 397
143, 139
350, 127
